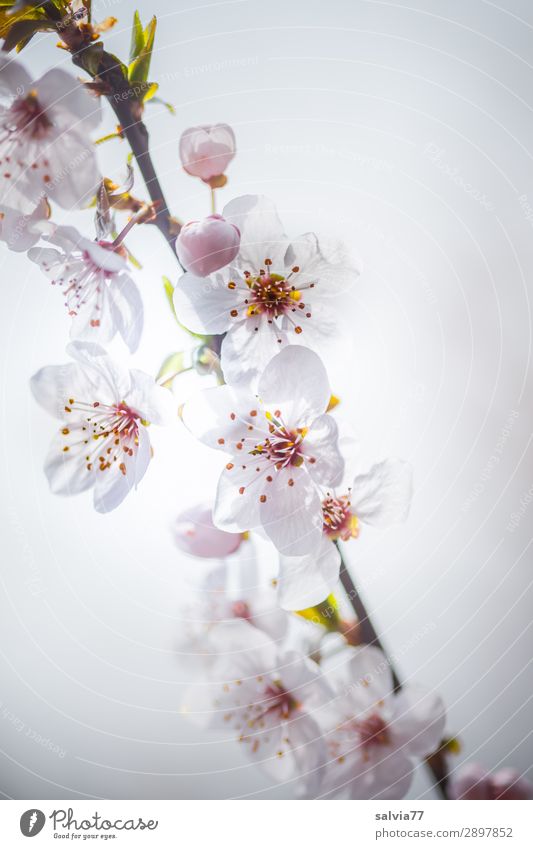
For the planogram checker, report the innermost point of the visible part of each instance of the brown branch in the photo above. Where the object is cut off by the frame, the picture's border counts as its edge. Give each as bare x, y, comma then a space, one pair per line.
123, 97
436, 762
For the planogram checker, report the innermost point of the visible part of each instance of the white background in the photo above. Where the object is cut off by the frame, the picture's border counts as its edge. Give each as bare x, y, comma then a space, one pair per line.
405, 130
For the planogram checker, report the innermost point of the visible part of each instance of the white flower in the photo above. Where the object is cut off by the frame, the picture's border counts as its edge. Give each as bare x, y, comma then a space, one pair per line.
104, 409
267, 698
373, 735
100, 296
45, 148
274, 293
20, 231
282, 447
380, 497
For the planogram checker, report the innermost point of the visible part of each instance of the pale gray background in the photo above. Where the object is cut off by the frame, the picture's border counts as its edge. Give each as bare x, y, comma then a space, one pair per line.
334, 105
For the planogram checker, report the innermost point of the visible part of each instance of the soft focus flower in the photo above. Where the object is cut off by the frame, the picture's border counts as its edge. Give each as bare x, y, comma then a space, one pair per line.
45, 148
373, 735
100, 296
380, 497
274, 293
104, 409
282, 447
205, 246
473, 781
207, 150
229, 594
20, 231
195, 533
267, 698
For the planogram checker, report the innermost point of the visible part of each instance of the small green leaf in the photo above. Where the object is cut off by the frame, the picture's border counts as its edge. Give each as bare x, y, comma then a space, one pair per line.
137, 37
140, 66
92, 57
326, 613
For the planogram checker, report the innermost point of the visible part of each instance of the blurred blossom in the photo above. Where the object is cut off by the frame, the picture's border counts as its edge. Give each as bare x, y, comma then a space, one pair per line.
207, 150
45, 146
205, 246
195, 533
473, 781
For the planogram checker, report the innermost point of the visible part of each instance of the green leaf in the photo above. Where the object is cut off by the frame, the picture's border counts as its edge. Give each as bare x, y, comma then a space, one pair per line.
140, 66
92, 57
137, 37
326, 613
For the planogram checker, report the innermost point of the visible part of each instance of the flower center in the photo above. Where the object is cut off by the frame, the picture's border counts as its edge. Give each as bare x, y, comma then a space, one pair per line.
273, 295
241, 610
372, 731
110, 432
338, 520
27, 116
283, 447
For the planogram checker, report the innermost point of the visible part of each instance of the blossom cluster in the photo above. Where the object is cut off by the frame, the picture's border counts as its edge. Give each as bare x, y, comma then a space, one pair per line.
310, 705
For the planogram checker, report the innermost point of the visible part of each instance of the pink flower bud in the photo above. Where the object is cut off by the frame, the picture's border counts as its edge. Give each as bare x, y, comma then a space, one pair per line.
206, 151
205, 246
471, 781
509, 784
195, 534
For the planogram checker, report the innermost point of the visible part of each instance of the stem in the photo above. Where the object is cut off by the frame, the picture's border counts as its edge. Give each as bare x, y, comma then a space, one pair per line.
128, 109
436, 763
213, 202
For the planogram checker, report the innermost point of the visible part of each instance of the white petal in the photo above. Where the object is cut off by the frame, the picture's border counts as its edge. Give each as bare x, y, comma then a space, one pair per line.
127, 307
110, 381
291, 514
296, 382
308, 580
204, 304
59, 91
151, 401
292, 750
67, 471
237, 500
389, 778
248, 347
382, 496
261, 231
221, 417
363, 678
419, 721
14, 79
330, 271
52, 386
321, 444
74, 175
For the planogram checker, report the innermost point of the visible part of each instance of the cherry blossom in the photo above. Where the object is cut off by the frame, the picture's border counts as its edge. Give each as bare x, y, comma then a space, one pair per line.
229, 594
105, 411
473, 781
45, 147
373, 735
207, 150
195, 533
276, 292
282, 446
380, 497
267, 698
100, 296
205, 246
